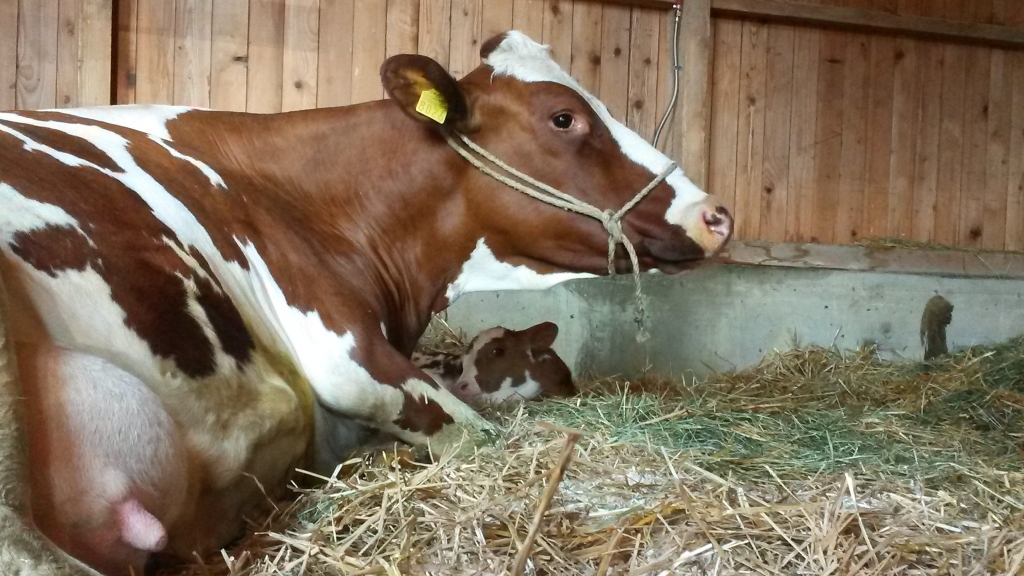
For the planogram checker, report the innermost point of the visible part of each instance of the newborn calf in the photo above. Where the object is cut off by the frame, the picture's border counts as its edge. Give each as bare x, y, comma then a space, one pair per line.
503, 364
108, 469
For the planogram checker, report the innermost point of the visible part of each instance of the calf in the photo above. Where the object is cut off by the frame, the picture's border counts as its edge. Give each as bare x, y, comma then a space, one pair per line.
501, 365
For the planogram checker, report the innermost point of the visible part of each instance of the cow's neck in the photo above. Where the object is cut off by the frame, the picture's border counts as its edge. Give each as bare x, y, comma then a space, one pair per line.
380, 198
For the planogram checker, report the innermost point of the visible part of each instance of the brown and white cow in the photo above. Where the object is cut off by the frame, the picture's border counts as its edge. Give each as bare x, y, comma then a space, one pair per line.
267, 276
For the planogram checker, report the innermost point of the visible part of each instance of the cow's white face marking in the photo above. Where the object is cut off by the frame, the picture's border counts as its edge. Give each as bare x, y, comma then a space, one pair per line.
520, 57
484, 272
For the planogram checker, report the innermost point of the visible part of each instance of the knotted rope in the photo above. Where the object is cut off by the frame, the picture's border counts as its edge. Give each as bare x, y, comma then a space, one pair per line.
611, 220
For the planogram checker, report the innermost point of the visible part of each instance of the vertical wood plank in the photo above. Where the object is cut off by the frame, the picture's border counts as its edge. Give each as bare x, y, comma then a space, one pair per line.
154, 70
614, 56
229, 54
403, 27
95, 39
37, 54
558, 30
435, 30
1015, 178
301, 43
497, 18
998, 159
8, 54
906, 121
193, 22
266, 56
879, 136
585, 62
467, 23
926, 171
976, 104
641, 115
852, 163
951, 134
334, 60
803, 134
750, 131
369, 21
127, 44
828, 139
778, 120
695, 108
528, 18
725, 111
68, 30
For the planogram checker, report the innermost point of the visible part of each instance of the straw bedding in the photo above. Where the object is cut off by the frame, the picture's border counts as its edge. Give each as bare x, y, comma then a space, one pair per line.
814, 462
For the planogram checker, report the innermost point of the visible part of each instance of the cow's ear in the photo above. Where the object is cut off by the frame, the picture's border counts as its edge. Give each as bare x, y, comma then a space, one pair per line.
425, 91
542, 336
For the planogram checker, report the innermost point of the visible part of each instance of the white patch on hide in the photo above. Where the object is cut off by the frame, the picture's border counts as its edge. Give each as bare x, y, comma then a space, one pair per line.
324, 356
483, 272
21, 214
150, 119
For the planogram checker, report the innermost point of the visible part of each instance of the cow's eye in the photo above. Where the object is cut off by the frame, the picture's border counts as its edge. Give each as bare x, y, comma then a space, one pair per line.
563, 121
498, 352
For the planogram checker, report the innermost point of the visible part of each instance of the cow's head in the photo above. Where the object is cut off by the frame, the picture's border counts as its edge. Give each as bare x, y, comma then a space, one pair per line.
525, 110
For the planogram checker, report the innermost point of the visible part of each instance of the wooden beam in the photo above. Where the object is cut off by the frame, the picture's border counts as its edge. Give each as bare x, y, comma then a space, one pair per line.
871, 21
695, 37
855, 19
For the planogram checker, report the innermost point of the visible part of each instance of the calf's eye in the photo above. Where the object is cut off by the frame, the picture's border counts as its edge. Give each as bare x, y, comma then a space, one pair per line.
563, 121
498, 352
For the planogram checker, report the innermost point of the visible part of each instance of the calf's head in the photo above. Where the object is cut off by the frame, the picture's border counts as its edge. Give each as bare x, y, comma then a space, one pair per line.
524, 109
505, 364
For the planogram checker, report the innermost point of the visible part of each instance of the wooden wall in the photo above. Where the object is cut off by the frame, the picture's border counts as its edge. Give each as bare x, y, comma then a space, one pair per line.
274, 55
816, 134
831, 136
54, 53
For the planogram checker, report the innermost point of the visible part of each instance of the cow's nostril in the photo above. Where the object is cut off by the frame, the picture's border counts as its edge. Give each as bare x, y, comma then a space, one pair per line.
718, 221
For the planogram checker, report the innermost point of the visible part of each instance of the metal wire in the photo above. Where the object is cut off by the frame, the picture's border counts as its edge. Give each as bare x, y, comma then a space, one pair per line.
675, 74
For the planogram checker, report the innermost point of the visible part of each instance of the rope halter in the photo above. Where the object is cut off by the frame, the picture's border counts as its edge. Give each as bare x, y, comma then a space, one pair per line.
611, 220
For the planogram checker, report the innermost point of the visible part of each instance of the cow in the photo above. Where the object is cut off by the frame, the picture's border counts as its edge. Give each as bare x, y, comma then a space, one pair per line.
502, 365
266, 277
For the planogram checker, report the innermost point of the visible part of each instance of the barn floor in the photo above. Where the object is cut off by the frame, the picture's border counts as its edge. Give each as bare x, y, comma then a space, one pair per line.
814, 462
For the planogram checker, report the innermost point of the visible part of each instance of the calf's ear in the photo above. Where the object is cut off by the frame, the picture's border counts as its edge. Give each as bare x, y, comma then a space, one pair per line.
542, 336
425, 91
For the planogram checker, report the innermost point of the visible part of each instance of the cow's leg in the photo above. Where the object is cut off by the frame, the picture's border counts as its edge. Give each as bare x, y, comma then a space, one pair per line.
108, 469
23, 550
384, 390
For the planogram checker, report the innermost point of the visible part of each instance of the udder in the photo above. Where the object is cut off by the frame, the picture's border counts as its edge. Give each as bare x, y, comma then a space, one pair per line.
108, 469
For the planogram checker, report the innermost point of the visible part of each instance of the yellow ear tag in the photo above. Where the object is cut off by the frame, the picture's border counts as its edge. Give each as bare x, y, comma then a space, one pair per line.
432, 105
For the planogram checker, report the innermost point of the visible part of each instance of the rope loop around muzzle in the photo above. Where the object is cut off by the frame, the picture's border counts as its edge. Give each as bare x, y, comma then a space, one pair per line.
611, 220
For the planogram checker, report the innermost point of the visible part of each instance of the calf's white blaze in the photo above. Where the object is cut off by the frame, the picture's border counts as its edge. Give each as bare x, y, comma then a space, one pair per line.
520, 57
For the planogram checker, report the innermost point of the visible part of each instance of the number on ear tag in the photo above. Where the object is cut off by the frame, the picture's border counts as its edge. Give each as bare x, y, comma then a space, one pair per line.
432, 105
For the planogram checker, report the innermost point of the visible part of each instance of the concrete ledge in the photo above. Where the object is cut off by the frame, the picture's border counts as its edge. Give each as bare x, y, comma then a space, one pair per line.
899, 260
725, 316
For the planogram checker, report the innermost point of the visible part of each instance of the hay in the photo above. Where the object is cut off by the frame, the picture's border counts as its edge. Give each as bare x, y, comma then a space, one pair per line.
814, 462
